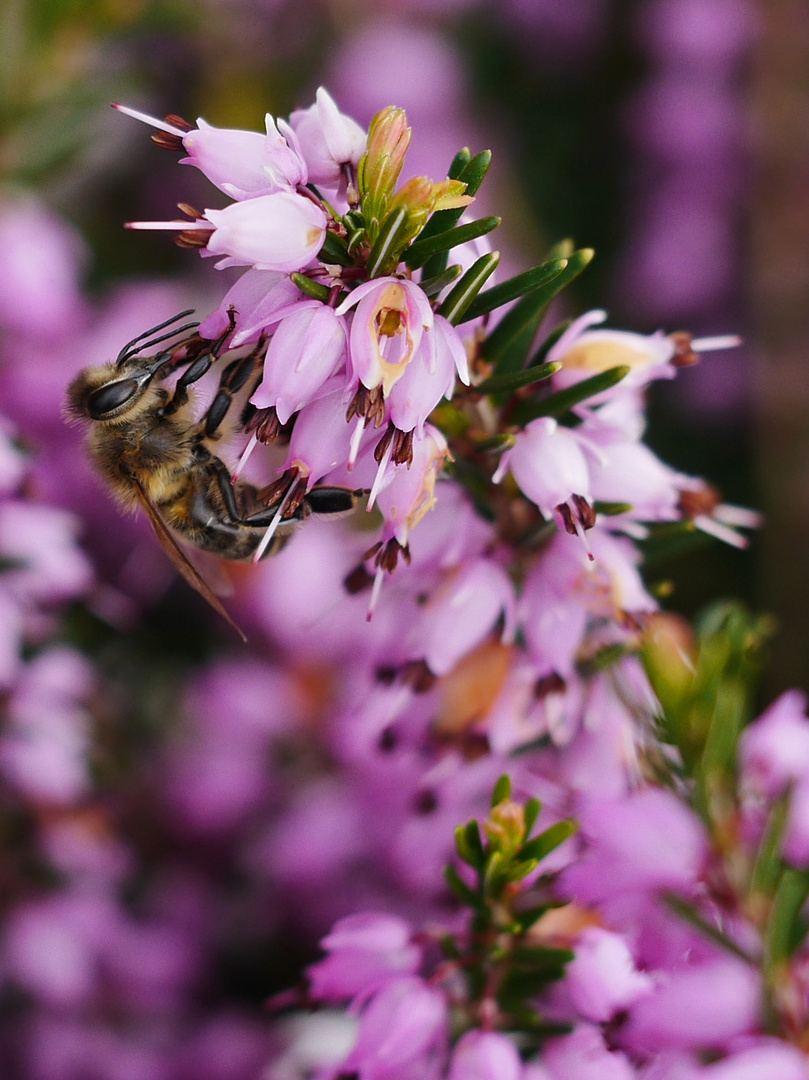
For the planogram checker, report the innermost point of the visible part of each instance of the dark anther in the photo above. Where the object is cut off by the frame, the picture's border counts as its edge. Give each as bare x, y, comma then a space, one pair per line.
381, 447
684, 355
587, 515
567, 518
549, 684
192, 238
189, 211
403, 447
388, 740
702, 499
358, 580
265, 424
418, 676
426, 803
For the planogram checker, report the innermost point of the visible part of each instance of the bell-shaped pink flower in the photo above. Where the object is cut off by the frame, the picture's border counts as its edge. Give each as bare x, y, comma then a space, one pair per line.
391, 317
628, 472
307, 347
583, 1055
462, 612
602, 978
407, 493
233, 160
285, 165
768, 1059
320, 439
327, 139
700, 1006
364, 951
429, 377
645, 842
583, 352
485, 1055
403, 1034
282, 231
548, 464
252, 302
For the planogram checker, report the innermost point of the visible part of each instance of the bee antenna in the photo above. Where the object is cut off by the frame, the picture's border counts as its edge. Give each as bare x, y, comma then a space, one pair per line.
124, 356
129, 349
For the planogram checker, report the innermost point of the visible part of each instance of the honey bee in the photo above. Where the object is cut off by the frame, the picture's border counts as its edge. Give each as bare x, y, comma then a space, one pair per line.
155, 456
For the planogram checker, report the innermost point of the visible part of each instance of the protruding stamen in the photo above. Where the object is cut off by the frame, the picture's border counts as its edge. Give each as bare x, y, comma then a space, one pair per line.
718, 341
169, 226
272, 527
380, 476
375, 591
240, 464
152, 121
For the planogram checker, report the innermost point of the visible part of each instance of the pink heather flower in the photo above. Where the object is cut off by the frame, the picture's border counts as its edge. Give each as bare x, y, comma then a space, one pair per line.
235, 161
774, 753
282, 231
700, 1006
254, 301
583, 352
327, 139
548, 464
42, 539
428, 377
602, 978
307, 347
645, 842
771, 1060
485, 1055
774, 750
462, 612
386, 332
365, 951
408, 493
402, 1035
46, 740
629, 472
243, 164
583, 1055
320, 440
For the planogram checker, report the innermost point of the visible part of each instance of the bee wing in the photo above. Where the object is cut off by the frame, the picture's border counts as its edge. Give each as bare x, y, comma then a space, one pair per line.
178, 556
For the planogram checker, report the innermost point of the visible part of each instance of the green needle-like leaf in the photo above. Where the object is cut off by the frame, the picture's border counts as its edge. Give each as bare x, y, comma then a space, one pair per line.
548, 840
462, 294
472, 175
421, 250
502, 790
786, 929
515, 380
431, 287
563, 400
508, 344
334, 251
461, 889
689, 914
515, 287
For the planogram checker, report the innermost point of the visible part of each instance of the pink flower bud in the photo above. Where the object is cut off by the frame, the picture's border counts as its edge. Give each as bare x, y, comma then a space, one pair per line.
282, 231
327, 139
306, 348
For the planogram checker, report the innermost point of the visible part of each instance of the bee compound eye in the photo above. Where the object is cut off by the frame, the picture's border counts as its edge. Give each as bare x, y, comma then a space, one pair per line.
106, 399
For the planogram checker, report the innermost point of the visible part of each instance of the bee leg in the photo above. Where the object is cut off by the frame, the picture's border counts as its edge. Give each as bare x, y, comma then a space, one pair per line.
234, 378
330, 500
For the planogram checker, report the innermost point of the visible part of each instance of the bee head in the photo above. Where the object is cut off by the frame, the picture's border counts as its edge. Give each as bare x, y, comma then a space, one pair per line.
109, 393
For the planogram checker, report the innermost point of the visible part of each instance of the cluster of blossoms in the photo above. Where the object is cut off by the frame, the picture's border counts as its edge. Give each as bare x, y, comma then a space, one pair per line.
643, 947
315, 780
